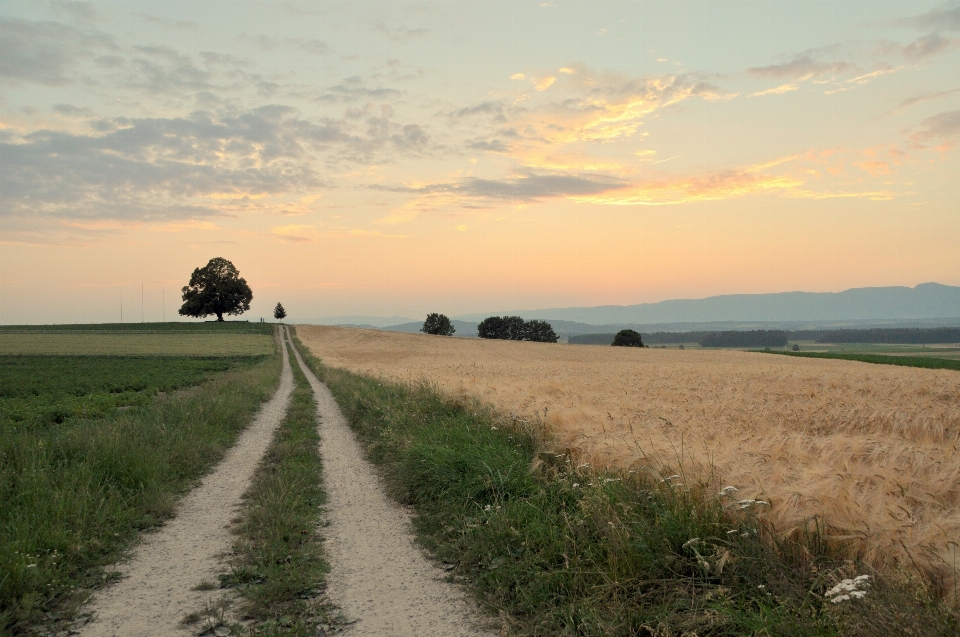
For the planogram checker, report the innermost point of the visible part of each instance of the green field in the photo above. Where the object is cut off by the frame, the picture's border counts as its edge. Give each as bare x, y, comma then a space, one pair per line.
136, 344
205, 327
948, 351
94, 449
902, 360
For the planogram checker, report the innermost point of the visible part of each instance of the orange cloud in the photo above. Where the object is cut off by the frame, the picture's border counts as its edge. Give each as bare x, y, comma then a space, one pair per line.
779, 90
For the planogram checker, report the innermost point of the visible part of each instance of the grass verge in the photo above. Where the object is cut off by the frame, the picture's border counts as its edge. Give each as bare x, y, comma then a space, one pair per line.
278, 566
77, 492
928, 362
559, 548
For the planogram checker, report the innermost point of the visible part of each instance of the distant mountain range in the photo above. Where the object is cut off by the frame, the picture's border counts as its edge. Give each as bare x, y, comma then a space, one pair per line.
925, 301
926, 305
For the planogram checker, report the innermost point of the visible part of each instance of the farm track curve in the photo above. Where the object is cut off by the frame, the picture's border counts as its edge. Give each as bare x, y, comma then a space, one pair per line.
378, 576
156, 592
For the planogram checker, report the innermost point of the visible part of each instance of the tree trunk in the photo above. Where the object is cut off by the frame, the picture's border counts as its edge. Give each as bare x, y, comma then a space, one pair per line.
220, 317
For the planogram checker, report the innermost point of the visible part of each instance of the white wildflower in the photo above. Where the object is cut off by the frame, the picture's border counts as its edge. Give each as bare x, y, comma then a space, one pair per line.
726, 491
746, 504
487, 508
576, 484
849, 589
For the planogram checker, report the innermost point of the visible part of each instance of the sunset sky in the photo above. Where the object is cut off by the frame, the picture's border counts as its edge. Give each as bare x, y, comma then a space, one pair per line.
395, 158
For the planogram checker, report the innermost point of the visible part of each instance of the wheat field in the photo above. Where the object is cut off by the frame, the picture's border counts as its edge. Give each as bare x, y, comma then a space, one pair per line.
871, 449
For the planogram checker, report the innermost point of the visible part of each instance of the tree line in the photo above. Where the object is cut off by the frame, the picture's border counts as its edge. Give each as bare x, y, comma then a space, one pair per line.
778, 338
507, 328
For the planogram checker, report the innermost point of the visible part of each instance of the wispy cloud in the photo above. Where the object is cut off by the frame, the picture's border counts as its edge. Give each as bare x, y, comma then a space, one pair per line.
778, 90
802, 67
941, 130
946, 17
45, 52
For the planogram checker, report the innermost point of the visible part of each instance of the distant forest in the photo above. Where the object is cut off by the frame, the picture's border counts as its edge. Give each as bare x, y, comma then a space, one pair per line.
753, 338
778, 338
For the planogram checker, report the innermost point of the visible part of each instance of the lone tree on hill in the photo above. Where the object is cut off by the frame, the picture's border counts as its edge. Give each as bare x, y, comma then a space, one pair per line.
216, 288
628, 338
438, 324
279, 313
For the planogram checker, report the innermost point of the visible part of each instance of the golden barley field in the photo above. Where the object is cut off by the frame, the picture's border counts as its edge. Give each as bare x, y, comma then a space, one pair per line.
872, 449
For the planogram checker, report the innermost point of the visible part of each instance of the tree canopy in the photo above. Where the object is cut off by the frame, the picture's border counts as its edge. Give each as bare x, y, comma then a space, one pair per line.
216, 288
514, 328
279, 313
627, 338
438, 324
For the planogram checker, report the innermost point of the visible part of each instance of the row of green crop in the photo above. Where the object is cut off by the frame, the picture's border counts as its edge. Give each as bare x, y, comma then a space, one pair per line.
926, 362
77, 490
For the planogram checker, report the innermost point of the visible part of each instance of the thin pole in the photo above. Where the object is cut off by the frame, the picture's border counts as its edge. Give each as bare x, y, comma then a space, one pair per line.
141, 304
121, 308
163, 301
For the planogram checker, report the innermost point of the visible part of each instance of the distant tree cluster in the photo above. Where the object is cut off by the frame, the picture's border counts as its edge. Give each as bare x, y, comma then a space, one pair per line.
438, 325
899, 335
627, 338
751, 338
514, 328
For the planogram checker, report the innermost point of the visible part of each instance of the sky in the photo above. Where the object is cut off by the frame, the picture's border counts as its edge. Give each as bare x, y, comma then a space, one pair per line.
399, 158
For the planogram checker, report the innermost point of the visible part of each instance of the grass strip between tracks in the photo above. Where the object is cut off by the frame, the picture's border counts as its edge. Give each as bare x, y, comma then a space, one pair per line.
278, 565
77, 491
927, 362
559, 548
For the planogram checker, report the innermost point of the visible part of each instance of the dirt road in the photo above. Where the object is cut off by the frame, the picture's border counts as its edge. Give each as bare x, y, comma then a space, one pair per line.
156, 592
378, 577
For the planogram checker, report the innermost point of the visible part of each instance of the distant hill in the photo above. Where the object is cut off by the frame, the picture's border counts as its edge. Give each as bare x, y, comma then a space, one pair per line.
354, 320
925, 301
463, 328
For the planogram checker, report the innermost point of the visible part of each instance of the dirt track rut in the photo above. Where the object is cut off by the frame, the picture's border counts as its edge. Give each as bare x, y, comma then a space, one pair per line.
156, 591
378, 577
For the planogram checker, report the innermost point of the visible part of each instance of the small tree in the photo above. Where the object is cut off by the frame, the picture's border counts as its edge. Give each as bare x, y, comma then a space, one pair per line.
493, 327
279, 313
217, 289
540, 332
438, 324
628, 338
796, 347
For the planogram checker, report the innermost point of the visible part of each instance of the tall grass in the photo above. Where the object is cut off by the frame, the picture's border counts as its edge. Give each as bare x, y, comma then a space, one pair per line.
560, 548
278, 565
76, 494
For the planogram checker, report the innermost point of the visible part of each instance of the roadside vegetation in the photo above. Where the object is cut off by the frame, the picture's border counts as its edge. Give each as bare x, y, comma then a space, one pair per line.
93, 451
278, 565
927, 362
560, 548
